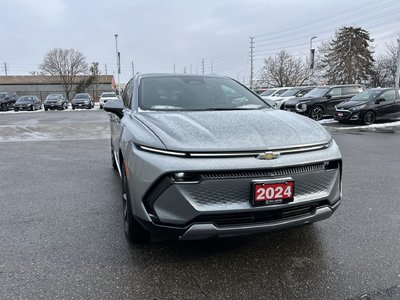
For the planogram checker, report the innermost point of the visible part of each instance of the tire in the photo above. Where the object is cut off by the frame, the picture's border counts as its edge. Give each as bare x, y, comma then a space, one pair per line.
134, 232
101, 106
33, 108
46, 109
4, 107
73, 107
369, 118
316, 113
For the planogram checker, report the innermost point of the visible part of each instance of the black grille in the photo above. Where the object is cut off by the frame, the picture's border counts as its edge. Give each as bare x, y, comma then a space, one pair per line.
260, 216
263, 172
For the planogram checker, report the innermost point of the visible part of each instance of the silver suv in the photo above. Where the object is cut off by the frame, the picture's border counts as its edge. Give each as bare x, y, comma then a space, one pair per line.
203, 157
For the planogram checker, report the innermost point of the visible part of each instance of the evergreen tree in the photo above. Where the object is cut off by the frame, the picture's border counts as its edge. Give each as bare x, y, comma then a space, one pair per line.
348, 58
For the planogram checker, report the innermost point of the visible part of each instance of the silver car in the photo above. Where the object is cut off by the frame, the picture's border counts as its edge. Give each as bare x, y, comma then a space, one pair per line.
203, 157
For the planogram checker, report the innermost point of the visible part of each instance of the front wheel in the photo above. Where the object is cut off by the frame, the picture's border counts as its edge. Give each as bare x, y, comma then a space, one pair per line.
317, 113
4, 107
369, 118
134, 232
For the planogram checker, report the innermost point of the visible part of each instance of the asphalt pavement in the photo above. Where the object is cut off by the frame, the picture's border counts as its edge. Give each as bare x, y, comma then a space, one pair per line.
61, 234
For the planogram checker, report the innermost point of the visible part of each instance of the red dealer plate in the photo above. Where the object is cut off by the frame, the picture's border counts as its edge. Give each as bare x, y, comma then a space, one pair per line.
273, 192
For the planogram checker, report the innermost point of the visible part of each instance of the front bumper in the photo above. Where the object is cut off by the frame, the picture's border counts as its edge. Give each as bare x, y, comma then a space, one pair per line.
53, 106
347, 115
219, 204
81, 105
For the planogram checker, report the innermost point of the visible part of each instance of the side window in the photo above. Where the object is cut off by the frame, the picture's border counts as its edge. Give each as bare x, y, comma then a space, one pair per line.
335, 92
127, 95
278, 93
349, 90
389, 95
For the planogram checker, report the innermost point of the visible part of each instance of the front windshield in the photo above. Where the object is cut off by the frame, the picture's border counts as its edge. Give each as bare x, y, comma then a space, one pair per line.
25, 99
81, 96
268, 92
53, 97
290, 92
196, 93
366, 95
317, 92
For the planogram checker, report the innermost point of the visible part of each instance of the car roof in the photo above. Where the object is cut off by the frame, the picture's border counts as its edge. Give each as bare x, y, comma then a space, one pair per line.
380, 89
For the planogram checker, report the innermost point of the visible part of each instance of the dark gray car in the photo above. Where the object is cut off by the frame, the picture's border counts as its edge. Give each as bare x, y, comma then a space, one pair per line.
55, 101
203, 157
7, 100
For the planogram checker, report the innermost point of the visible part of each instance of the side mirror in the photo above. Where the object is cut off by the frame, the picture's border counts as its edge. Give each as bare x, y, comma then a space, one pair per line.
377, 101
115, 106
328, 97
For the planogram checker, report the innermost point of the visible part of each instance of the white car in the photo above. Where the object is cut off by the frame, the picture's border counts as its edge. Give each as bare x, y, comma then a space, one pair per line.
273, 93
293, 92
107, 96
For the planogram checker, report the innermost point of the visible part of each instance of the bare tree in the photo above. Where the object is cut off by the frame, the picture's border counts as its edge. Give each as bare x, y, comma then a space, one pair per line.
284, 70
65, 64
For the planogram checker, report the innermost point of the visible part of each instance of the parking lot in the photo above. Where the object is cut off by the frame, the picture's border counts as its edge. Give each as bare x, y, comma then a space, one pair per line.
61, 232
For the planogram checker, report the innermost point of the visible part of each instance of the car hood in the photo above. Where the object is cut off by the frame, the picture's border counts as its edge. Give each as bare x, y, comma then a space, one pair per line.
348, 104
223, 131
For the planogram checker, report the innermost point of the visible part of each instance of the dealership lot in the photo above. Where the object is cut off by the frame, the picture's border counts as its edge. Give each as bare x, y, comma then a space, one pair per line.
61, 231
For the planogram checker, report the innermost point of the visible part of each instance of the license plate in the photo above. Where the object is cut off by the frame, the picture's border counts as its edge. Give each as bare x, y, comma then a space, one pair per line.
340, 114
52, 105
267, 192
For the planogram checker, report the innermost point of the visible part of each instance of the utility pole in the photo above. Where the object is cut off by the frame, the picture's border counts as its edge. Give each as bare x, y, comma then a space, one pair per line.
133, 70
118, 63
202, 65
312, 53
5, 69
251, 61
174, 67
105, 67
396, 84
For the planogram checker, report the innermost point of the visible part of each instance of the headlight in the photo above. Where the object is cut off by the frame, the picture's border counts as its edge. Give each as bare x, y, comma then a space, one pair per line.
357, 108
87, 102
30, 104
301, 107
59, 102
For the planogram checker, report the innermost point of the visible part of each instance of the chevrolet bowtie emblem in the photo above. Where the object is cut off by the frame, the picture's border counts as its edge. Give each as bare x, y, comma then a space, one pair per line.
268, 155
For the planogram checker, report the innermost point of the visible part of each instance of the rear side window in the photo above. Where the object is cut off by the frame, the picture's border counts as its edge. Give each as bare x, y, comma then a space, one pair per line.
389, 95
349, 90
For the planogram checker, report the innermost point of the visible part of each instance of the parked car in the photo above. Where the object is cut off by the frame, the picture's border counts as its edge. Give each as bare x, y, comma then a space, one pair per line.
293, 92
196, 163
106, 96
322, 100
82, 100
7, 100
274, 92
370, 105
55, 101
28, 103
259, 91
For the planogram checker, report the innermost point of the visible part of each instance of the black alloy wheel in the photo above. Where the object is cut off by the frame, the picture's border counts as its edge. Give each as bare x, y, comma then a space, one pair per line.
317, 113
3, 107
369, 118
134, 232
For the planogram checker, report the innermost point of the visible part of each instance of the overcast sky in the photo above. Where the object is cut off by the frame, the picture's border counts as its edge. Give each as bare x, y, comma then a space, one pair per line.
155, 34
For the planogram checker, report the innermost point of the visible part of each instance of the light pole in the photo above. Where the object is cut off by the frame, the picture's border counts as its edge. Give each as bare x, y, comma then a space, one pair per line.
312, 53
118, 65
